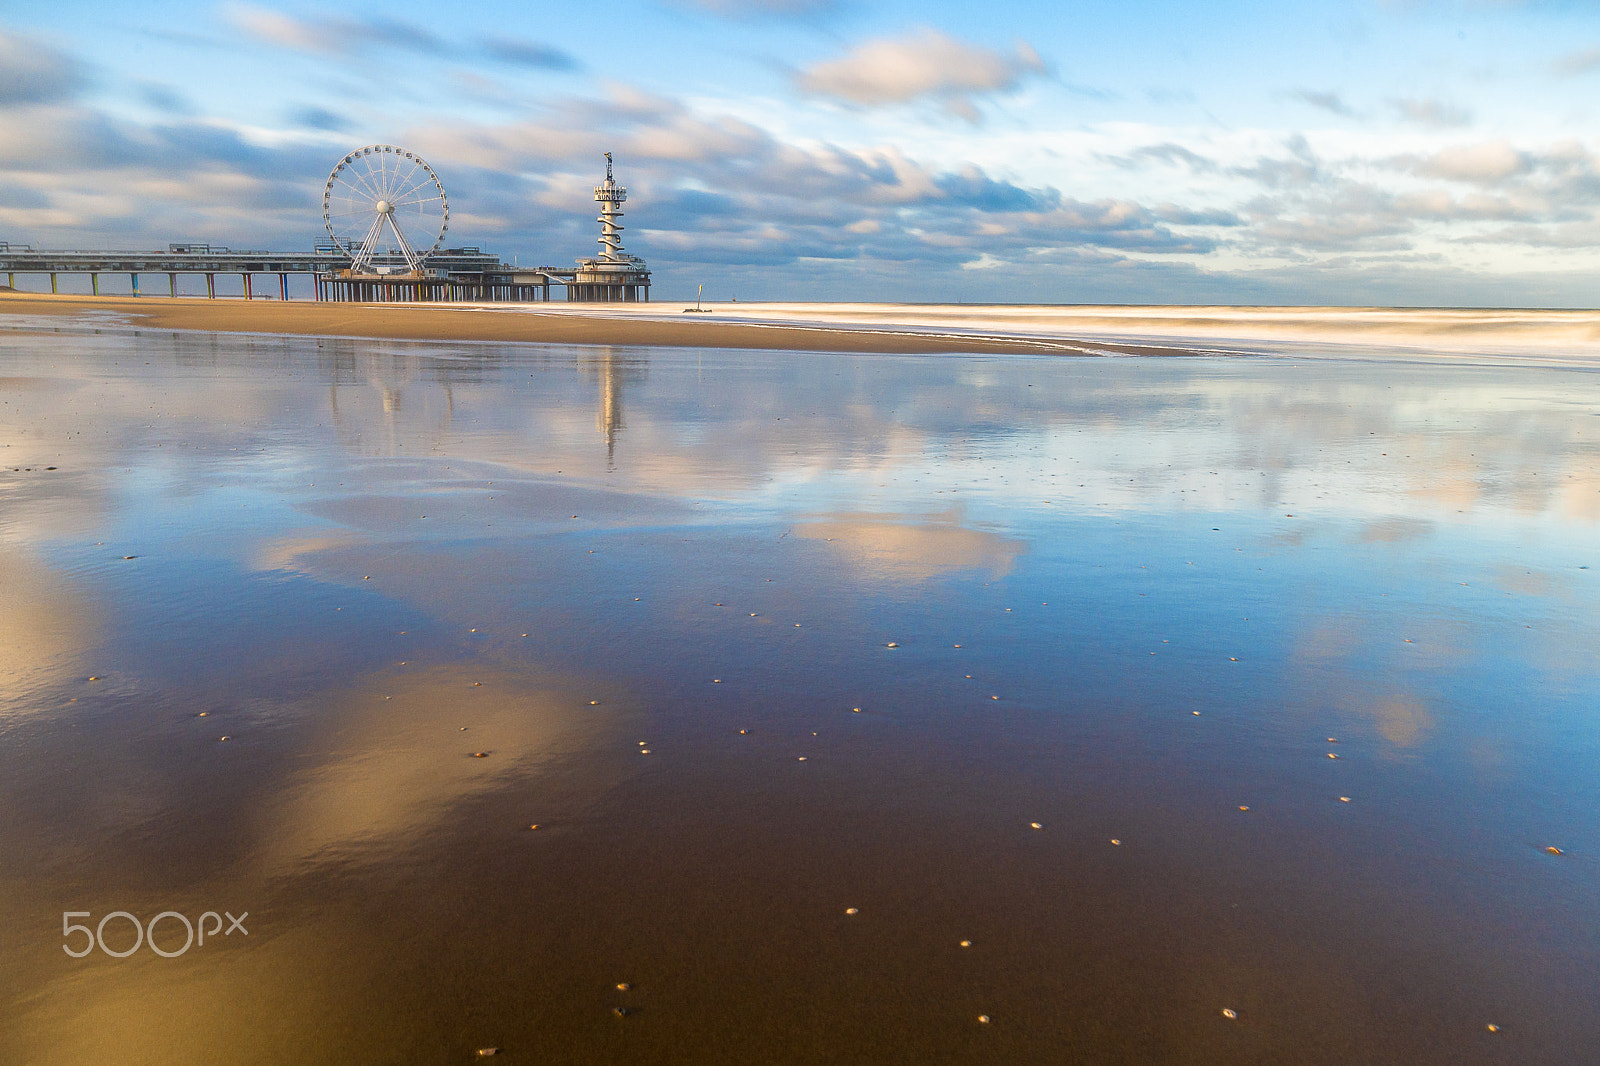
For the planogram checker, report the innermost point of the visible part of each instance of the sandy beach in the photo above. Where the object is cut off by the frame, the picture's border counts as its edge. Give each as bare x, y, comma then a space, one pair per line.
1562, 337
527, 323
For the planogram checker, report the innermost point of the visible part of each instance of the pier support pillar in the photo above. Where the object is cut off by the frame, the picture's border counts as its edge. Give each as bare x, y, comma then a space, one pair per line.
94, 284
135, 279
211, 286
283, 286
52, 284
172, 285
247, 294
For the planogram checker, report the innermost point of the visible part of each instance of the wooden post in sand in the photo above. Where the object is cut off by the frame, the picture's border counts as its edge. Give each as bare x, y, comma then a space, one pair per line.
135, 279
211, 286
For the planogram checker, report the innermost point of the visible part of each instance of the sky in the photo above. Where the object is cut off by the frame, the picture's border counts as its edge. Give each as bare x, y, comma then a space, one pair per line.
1395, 152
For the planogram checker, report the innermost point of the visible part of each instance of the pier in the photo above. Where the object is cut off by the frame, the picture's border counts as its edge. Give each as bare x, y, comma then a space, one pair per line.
469, 269
351, 271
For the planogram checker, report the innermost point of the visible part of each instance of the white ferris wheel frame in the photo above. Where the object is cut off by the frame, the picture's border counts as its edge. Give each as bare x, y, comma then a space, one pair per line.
387, 177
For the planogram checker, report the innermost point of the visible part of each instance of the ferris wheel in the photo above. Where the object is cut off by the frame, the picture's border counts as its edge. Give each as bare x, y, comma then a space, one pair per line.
383, 187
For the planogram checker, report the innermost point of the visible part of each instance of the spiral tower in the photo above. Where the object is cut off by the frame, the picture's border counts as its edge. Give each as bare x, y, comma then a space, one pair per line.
613, 274
609, 196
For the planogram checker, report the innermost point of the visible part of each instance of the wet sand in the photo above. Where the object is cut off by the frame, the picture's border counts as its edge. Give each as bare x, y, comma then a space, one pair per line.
758, 641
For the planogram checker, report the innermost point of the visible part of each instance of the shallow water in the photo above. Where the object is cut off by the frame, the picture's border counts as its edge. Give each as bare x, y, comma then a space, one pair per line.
1120, 598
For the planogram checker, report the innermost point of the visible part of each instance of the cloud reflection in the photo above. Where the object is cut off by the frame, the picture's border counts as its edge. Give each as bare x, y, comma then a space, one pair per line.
1401, 720
46, 628
400, 757
903, 548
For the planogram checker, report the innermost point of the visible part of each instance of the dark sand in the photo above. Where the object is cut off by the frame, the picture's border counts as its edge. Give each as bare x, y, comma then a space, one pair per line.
364, 561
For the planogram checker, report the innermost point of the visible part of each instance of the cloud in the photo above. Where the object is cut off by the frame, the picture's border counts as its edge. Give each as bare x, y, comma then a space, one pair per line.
334, 36
697, 204
1312, 207
927, 64
279, 29
71, 175
1169, 153
1580, 62
1189, 216
313, 117
518, 52
1278, 173
1300, 170
971, 186
1330, 102
1328, 230
1109, 223
1346, 215
165, 98
35, 73
1435, 113
1581, 236
1486, 163
357, 37
713, 190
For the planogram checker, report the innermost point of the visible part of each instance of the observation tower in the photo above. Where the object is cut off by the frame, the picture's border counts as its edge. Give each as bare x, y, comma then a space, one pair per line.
613, 275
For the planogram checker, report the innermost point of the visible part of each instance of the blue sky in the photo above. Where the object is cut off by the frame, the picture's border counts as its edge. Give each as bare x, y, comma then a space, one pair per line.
1401, 151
